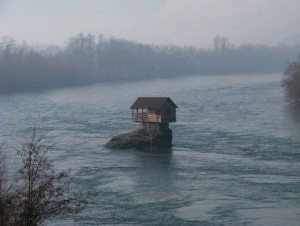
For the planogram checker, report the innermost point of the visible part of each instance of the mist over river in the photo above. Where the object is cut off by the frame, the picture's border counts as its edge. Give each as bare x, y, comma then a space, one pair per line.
235, 158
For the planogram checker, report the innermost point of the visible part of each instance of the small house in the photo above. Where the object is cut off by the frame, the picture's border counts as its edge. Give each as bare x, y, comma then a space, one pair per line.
154, 110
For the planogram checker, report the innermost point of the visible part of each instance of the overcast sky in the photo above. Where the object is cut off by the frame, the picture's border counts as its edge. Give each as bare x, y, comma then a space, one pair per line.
179, 22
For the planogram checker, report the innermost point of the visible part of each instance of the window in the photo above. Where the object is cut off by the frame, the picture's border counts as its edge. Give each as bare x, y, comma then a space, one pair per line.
168, 112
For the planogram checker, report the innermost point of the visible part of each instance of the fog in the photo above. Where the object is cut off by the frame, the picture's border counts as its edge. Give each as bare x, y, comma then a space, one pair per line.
87, 59
177, 22
52, 43
235, 159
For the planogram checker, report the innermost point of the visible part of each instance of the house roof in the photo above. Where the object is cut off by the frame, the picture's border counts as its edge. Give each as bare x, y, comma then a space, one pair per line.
154, 103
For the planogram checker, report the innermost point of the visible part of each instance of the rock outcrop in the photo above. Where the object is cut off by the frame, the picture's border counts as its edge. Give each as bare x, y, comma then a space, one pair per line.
141, 138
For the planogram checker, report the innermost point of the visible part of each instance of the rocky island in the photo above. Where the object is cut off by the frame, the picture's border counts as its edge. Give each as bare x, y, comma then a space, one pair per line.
154, 115
141, 138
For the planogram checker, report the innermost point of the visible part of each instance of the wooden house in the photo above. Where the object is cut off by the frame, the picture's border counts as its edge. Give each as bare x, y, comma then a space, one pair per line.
154, 110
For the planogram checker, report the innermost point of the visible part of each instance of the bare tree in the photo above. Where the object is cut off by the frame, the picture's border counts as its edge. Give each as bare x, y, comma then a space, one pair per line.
4, 196
221, 45
291, 81
85, 60
39, 193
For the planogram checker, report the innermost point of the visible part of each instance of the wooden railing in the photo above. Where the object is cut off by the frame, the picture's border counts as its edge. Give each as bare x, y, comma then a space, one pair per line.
140, 117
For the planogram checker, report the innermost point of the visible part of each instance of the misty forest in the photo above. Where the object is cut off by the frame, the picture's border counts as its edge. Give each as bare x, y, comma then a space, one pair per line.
87, 59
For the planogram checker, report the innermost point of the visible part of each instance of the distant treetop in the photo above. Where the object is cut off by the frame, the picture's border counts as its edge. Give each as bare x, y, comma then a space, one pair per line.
291, 81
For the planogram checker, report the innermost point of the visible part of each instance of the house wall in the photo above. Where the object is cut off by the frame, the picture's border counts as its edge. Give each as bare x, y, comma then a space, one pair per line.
165, 115
153, 117
168, 113
142, 117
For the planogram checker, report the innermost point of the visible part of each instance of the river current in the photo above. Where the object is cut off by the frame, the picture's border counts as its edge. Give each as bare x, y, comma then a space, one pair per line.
235, 158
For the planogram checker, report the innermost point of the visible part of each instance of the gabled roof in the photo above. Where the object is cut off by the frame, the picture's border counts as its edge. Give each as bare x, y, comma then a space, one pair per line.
154, 103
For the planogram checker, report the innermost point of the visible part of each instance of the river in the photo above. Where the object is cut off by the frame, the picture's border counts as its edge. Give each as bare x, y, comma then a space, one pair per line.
234, 161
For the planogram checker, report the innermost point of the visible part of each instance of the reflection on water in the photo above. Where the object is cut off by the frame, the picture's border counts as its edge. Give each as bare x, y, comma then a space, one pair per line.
293, 112
155, 173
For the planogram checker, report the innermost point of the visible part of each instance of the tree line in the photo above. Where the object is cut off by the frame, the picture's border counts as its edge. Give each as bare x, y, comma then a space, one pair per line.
87, 59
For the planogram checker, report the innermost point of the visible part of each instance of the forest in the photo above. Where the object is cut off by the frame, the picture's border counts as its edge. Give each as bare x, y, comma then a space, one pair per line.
87, 59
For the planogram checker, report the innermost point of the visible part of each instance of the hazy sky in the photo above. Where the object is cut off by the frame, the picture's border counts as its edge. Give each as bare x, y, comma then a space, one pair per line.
179, 22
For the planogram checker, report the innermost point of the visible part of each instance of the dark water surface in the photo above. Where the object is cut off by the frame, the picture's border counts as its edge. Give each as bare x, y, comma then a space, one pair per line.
235, 160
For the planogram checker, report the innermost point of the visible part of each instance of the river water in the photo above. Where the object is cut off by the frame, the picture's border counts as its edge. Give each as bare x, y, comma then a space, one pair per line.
235, 159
